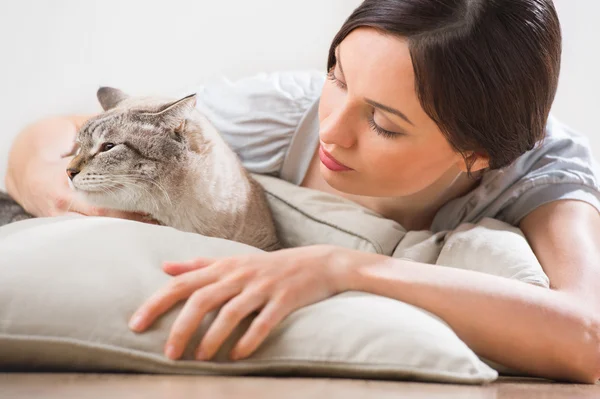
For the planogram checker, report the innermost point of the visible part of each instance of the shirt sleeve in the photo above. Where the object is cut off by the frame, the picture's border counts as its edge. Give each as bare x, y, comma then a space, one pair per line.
562, 168
257, 116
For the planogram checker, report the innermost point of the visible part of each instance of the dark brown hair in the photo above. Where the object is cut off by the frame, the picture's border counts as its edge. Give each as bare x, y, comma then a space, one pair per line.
486, 71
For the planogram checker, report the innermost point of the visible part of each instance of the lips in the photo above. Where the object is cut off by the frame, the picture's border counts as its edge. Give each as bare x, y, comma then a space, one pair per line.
330, 162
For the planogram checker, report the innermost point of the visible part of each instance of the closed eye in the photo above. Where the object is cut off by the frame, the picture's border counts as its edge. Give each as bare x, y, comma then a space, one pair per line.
334, 79
379, 130
107, 147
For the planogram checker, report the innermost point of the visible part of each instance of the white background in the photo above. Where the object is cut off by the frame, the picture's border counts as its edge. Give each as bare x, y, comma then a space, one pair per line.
56, 53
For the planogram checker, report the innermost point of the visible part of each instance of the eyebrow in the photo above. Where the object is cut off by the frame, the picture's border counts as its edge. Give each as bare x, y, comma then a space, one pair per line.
371, 102
388, 109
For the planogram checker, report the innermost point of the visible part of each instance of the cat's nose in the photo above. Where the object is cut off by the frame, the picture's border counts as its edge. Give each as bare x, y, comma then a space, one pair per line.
72, 173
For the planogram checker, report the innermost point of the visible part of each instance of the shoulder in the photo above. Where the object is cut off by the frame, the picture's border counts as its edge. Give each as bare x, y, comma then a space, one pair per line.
562, 151
259, 115
291, 89
560, 167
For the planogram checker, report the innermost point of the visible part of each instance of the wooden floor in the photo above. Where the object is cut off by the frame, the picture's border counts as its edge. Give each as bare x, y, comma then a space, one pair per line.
114, 386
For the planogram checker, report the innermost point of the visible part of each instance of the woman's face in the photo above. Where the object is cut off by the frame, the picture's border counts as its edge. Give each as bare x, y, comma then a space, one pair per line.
372, 122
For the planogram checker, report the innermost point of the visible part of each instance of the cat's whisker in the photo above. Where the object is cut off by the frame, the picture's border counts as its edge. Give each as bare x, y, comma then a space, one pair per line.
114, 188
70, 204
111, 191
146, 179
157, 184
108, 187
126, 189
106, 190
206, 192
164, 191
127, 182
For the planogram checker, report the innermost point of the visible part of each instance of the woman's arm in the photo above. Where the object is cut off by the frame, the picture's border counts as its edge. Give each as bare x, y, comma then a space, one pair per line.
553, 333
36, 169
36, 176
550, 333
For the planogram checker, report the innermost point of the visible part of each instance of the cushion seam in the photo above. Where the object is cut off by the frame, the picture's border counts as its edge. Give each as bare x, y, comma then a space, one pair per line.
375, 245
213, 366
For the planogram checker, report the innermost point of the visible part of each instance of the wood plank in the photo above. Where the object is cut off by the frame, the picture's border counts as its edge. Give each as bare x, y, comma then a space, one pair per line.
102, 386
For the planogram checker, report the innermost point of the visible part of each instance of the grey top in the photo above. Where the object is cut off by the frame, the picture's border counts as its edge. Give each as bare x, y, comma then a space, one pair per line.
271, 122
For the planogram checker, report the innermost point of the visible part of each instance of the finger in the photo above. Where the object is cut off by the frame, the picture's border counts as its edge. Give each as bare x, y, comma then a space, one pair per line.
67, 202
77, 206
175, 268
135, 216
200, 303
229, 317
83, 208
271, 316
178, 289
73, 214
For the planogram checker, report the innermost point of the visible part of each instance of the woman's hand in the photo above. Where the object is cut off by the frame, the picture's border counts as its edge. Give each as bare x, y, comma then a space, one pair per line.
37, 177
275, 284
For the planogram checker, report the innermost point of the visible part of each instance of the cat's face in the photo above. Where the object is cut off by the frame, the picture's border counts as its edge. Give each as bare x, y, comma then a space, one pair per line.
134, 153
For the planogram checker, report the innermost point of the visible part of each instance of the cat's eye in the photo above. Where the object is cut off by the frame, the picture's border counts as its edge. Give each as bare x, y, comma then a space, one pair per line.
107, 146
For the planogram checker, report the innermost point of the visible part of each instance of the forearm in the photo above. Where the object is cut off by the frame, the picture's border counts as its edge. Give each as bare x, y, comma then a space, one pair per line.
47, 137
44, 140
539, 331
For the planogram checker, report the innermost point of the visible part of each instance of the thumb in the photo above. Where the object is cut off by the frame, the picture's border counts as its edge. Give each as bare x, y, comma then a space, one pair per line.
88, 210
74, 214
176, 268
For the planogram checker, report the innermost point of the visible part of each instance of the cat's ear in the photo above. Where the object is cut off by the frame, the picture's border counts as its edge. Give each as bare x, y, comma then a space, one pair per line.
110, 97
174, 114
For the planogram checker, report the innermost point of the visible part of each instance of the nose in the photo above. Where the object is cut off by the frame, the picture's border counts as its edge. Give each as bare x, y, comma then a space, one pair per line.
337, 129
72, 173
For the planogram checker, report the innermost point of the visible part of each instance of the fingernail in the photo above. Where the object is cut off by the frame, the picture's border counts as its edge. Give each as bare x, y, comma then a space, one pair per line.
171, 352
136, 323
235, 354
200, 355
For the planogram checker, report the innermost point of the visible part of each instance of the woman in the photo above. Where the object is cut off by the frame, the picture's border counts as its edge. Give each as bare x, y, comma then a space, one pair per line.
434, 114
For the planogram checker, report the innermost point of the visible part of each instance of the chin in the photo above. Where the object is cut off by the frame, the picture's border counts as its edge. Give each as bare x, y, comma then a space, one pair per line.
349, 183
344, 182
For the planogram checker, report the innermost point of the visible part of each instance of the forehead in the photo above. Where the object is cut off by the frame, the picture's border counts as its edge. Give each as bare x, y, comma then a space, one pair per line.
95, 127
379, 67
380, 63
111, 125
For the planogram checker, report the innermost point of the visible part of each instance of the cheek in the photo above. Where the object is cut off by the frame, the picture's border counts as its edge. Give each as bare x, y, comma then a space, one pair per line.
408, 165
116, 163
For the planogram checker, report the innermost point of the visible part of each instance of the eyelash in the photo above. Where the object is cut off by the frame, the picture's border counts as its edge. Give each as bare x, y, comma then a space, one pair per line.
372, 124
338, 83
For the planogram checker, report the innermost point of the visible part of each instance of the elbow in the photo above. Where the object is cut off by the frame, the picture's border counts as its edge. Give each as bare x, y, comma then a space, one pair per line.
585, 362
595, 345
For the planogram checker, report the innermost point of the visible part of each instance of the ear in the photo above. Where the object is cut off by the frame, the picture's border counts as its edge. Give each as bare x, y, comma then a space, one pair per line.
110, 97
174, 115
478, 161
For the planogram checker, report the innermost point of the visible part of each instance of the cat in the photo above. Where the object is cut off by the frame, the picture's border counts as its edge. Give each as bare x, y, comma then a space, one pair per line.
163, 158
11, 211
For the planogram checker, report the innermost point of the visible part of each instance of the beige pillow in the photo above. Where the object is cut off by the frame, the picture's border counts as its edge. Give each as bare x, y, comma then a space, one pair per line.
489, 246
69, 285
306, 217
